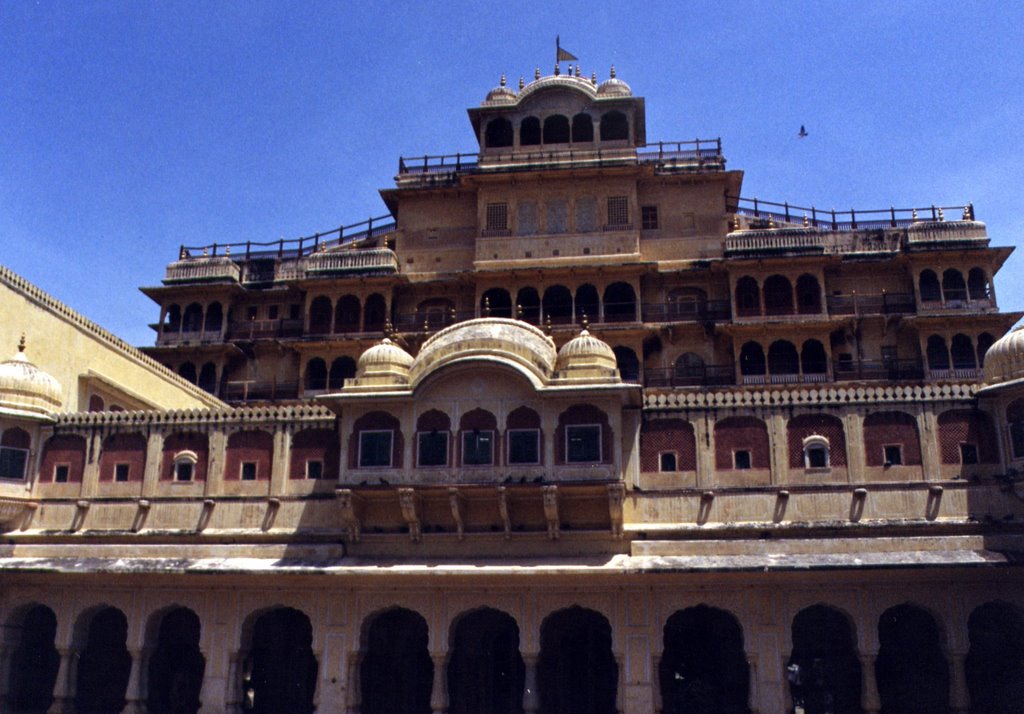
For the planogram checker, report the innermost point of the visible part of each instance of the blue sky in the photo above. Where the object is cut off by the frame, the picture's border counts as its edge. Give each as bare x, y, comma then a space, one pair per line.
127, 128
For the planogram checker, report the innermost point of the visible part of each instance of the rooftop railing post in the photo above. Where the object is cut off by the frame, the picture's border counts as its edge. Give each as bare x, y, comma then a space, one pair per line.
425, 158
934, 217
369, 227
248, 246
787, 212
214, 251
301, 239
814, 216
892, 216
834, 225
756, 214
280, 248
853, 219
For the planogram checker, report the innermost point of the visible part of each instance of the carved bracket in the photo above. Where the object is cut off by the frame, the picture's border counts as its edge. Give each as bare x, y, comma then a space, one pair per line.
351, 508
411, 513
616, 497
458, 505
551, 512
503, 511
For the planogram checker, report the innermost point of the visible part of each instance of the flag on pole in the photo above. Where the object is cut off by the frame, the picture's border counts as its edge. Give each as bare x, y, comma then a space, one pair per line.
563, 55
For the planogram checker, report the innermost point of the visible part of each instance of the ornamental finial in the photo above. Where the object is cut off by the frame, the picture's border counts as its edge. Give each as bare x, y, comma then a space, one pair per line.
577, 70
613, 71
536, 73
502, 79
21, 343
585, 322
593, 78
558, 69
522, 83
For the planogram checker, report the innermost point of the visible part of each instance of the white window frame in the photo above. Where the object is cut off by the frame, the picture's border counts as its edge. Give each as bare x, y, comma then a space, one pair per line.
675, 457
508, 446
59, 465
462, 446
600, 442
447, 448
323, 469
255, 470
391, 451
24, 465
817, 442
128, 472
185, 457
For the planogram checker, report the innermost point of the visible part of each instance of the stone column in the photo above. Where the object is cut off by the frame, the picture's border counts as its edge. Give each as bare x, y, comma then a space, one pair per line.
133, 693
439, 692
777, 448
855, 457
217, 445
354, 690
531, 699
928, 426
959, 695
154, 462
704, 433
281, 462
91, 472
64, 687
869, 698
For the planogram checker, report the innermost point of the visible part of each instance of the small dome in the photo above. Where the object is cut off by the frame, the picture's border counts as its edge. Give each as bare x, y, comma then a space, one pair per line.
501, 94
614, 87
586, 357
384, 358
26, 390
1004, 361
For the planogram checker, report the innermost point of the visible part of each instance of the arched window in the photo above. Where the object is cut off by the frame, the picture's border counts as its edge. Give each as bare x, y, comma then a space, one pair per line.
813, 359
962, 351
478, 436
342, 368
556, 129
816, 452
576, 671
929, 286
977, 285
214, 317
588, 304
208, 378
741, 443
396, 674
619, 303
314, 455
953, 286
104, 664
778, 295
985, 340
498, 133
688, 303
433, 431
176, 666
279, 674
995, 662
320, 313
584, 436
675, 437
529, 132
496, 302
249, 456
614, 126
528, 305
172, 320
783, 358
1015, 422
375, 313
808, 295
558, 305
34, 662
582, 128
346, 314
911, 671
748, 297
14, 448
123, 458
891, 439
187, 371
689, 370
586, 214
824, 670
185, 457
938, 355
523, 435
628, 364
967, 436
375, 442
703, 665
193, 319
316, 374
485, 672
752, 362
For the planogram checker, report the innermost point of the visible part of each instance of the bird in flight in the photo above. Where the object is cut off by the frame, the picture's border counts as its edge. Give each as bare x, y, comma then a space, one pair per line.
802, 133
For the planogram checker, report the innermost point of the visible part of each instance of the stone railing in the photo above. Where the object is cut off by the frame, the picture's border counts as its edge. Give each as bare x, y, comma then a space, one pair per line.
195, 270
932, 232
585, 247
382, 260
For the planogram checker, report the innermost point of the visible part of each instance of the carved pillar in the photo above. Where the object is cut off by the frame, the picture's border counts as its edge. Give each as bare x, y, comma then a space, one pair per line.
439, 691
960, 697
91, 473
928, 426
869, 699
280, 464
531, 700
354, 690
154, 462
855, 458
218, 442
777, 451
133, 693
704, 432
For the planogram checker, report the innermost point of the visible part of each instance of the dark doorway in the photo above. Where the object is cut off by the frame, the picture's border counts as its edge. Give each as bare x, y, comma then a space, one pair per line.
104, 665
576, 671
397, 674
911, 671
177, 666
995, 661
486, 672
824, 671
703, 667
280, 671
34, 663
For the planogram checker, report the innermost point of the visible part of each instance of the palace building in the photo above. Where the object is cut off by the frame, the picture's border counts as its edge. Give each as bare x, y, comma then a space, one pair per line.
575, 428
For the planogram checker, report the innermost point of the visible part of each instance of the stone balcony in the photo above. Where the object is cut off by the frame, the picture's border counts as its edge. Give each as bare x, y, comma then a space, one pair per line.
613, 245
202, 270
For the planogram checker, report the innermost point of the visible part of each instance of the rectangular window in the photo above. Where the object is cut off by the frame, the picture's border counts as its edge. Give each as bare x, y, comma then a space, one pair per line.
250, 312
272, 313
618, 211
294, 312
478, 448
968, 453
667, 461
649, 218
375, 449
893, 454
61, 473
248, 472
314, 469
12, 462
523, 446
558, 216
497, 217
583, 444
183, 470
122, 472
741, 459
432, 448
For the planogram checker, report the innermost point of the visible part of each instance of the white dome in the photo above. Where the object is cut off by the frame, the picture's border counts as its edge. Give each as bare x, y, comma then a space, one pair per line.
501, 94
1004, 361
384, 358
26, 390
587, 357
614, 87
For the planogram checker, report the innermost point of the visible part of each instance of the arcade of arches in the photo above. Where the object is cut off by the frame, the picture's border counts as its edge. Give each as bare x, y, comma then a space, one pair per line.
744, 651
